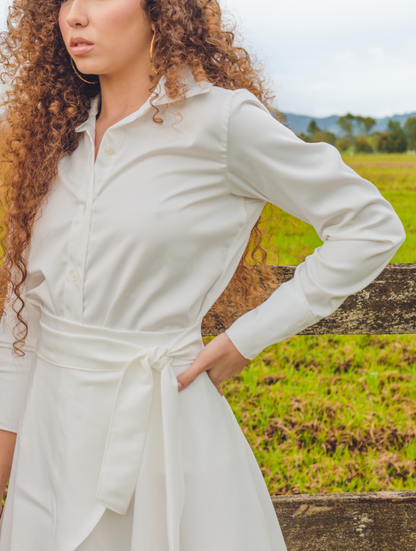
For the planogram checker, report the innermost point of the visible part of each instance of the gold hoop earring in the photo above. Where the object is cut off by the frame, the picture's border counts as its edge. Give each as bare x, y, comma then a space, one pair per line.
151, 50
79, 76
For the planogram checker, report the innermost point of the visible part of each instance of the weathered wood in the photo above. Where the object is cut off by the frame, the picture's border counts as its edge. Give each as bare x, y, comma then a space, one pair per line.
384, 521
386, 306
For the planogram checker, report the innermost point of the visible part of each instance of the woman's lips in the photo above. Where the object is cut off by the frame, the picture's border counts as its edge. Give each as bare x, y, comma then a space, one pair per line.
81, 48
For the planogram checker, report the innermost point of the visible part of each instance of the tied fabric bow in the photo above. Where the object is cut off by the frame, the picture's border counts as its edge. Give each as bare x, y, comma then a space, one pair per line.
127, 434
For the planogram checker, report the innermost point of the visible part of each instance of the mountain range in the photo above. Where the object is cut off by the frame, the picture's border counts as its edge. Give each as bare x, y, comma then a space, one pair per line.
299, 123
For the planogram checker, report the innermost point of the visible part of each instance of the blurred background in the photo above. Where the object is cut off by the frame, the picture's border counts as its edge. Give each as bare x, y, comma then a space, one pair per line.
329, 57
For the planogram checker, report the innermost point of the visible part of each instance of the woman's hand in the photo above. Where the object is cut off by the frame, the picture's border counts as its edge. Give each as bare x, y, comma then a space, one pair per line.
220, 358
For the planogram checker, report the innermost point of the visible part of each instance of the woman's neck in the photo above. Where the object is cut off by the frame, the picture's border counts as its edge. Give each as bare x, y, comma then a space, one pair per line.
123, 94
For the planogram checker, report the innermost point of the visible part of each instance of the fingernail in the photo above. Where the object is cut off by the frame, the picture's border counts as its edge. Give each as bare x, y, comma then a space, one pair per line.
180, 386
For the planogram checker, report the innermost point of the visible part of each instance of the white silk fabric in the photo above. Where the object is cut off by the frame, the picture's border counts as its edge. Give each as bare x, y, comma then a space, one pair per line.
128, 255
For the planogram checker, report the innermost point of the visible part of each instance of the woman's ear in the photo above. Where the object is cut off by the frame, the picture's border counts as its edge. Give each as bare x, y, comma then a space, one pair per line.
153, 26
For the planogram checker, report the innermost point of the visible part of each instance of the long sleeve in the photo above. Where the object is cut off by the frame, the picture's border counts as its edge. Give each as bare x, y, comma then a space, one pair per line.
360, 230
14, 370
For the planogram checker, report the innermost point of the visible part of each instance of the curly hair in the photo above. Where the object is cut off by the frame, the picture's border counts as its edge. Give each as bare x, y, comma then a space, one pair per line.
44, 101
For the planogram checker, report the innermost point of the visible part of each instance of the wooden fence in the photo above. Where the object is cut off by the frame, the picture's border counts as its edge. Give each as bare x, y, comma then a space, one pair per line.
383, 521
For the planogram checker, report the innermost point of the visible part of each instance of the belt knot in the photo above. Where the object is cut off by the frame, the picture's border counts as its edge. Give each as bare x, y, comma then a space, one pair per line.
158, 358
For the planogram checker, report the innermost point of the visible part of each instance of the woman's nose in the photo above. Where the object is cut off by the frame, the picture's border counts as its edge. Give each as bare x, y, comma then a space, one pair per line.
77, 14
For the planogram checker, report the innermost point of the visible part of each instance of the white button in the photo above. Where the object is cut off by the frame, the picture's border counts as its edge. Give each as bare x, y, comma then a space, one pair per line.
109, 150
74, 276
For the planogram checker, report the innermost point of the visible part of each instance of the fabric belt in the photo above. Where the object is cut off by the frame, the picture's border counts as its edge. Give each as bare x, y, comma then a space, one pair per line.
136, 355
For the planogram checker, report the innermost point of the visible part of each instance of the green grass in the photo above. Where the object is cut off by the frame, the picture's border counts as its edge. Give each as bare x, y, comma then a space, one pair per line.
335, 413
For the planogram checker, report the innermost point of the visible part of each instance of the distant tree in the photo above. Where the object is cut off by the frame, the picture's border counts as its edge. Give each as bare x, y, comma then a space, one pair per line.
380, 139
342, 143
313, 128
397, 141
315, 134
410, 127
347, 124
394, 140
365, 124
362, 144
373, 140
324, 136
350, 124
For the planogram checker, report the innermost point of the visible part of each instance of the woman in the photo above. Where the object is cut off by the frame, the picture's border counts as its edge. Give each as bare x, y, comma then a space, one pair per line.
138, 153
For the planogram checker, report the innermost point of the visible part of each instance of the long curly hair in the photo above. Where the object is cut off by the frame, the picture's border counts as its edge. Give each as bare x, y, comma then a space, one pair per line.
44, 101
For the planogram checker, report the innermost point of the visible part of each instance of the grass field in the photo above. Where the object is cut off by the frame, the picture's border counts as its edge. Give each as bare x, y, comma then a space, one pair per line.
335, 413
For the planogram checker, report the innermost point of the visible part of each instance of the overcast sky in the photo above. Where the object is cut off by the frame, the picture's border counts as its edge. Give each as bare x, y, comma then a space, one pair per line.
328, 57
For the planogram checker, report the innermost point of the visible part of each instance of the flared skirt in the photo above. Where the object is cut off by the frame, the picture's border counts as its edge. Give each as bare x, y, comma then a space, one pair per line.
52, 504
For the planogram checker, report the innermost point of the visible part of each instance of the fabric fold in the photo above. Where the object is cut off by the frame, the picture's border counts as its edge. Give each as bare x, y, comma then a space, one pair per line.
127, 437
132, 359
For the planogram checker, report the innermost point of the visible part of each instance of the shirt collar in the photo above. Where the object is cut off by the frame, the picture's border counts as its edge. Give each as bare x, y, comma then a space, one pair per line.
192, 88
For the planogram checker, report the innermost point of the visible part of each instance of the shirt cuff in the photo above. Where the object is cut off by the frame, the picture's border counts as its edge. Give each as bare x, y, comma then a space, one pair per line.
282, 315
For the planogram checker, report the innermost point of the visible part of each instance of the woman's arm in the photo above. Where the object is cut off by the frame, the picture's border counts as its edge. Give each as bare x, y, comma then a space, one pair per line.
13, 382
360, 231
14, 370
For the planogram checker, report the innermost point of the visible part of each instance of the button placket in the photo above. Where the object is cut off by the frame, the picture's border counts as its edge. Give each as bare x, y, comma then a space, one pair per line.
78, 241
107, 158
94, 177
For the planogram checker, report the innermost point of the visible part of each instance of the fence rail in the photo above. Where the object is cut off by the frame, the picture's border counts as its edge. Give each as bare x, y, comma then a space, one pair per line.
383, 521
385, 307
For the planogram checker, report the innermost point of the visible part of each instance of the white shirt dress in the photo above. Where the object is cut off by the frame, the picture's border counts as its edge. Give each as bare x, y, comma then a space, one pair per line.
127, 257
